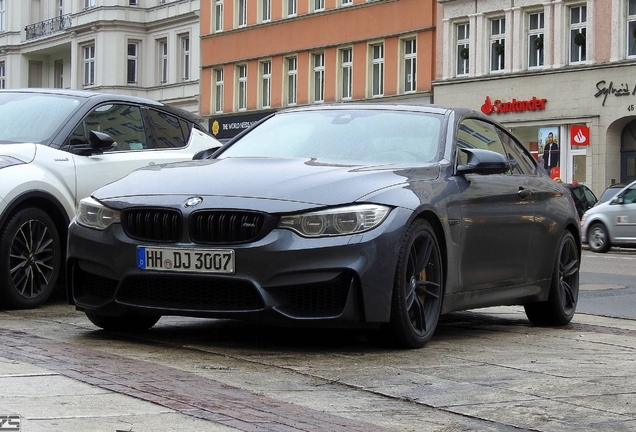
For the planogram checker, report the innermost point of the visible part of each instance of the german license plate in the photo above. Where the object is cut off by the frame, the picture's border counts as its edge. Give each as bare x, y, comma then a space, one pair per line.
186, 260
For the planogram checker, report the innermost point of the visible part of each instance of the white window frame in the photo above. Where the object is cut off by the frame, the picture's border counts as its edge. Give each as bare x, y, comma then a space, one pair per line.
317, 5
241, 13
462, 45
218, 89
218, 15
291, 8
497, 39
132, 63
376, 78
536, 55
346, 73
133, 2
241, 87
291, 85
265, 10
3, 77
409, 65
3, 16
318, 77
163, 61
185, 57
88, 56
577, 54
344, 3
266, 83
89, 4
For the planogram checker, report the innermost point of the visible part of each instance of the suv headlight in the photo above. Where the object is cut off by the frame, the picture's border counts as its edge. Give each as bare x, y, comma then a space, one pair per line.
93, 214
337, 221
7, 161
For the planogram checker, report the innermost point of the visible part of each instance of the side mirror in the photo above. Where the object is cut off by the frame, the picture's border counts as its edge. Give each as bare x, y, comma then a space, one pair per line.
204, 154
617, 200
482, 161
101, 141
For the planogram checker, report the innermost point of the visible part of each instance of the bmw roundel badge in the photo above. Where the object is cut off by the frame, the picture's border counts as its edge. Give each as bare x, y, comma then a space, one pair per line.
193, 202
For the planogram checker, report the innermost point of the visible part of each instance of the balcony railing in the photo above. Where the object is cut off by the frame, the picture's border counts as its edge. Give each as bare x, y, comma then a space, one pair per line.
47, 27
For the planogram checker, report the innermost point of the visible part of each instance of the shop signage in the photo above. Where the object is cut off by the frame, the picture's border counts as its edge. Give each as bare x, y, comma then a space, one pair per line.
501, 107
604, 89
579, 135
230, 126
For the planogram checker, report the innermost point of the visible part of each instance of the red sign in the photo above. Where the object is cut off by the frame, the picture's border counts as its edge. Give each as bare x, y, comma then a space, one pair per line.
501, 107
579, 135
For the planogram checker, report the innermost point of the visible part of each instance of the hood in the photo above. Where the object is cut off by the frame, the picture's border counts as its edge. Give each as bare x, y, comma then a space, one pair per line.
297, 180
22, 151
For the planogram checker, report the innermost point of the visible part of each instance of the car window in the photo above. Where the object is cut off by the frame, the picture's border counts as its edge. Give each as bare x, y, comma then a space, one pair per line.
589, 195
167, 130
521, 161
629, 197
478, 134
122, 122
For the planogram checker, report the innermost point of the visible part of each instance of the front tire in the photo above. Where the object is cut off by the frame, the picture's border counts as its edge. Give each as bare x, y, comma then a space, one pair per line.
598, 238
128, 322
560, 306
30, 259
418, 287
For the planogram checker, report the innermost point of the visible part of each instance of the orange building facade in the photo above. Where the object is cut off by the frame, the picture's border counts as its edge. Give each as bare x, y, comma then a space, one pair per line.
258, 56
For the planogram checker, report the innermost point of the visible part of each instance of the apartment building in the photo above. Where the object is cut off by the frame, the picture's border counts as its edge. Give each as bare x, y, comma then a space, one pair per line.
548, 69
145, 48
258, 56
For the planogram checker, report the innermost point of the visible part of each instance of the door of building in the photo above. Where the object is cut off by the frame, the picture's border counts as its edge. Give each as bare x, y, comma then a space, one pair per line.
628, 166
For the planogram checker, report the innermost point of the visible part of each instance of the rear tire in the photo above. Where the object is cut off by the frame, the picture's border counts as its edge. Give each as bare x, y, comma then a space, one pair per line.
560, 306
598, 238
30, 259
128, 322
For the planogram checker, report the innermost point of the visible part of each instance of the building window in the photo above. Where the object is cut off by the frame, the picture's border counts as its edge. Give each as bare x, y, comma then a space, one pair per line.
3, 19
292, 81
241, 13
218, 90
60, 7
318, 82
535, 39
266, 10
631, 28
58, 74
346, 66
3, 77
266, 84
89, 4
318, 5
377, 70
132, 63
218, 15
133, 2
410, 66
346, 2
463, 49
163, 61
185, 57
497, 44
89, 65
241, 74
578, 33
292, 8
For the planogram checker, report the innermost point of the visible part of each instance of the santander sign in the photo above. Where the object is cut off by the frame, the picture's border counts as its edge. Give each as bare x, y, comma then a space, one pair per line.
501, 107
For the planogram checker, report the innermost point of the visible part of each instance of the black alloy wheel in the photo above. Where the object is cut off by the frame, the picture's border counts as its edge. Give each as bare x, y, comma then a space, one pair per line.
128, 322
598, 238
560, 306
418, 287
30, 259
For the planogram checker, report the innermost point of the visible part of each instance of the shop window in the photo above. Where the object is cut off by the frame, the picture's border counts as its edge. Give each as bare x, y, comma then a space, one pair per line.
578, 33
462, 49
497, 44
536, 23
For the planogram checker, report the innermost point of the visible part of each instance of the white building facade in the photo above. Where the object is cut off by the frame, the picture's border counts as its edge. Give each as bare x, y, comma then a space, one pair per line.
562, 69
147, 48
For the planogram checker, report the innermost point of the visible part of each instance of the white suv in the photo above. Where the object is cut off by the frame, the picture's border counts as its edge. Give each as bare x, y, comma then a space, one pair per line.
58, 146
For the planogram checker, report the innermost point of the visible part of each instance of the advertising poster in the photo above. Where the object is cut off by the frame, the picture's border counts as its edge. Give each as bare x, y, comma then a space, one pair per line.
549, 142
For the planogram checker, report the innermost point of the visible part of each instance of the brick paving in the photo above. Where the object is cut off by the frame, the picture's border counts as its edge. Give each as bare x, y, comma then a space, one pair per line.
184, 392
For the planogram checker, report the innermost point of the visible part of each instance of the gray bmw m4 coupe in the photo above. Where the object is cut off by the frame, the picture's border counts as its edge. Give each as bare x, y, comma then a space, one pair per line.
373, 216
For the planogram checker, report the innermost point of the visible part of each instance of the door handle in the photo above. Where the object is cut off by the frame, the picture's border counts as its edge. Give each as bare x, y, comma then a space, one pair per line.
523, 193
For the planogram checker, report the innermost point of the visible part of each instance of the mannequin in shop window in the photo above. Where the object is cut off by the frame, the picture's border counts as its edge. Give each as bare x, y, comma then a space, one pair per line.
550, 153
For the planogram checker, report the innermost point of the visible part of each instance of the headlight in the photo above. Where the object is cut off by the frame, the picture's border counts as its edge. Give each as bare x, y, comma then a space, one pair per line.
338, 221
92, 214
7, 161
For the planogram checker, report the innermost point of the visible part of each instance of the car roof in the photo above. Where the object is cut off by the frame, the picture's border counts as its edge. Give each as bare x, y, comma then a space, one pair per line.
98, 97
384, 106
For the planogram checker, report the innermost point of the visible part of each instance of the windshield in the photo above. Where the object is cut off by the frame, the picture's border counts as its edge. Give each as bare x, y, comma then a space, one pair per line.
361, 136
29, 117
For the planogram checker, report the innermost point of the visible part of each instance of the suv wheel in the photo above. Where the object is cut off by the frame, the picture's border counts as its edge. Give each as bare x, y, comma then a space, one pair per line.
30, 259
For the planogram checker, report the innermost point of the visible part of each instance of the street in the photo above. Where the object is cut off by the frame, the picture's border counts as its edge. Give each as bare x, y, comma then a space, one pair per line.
484, 370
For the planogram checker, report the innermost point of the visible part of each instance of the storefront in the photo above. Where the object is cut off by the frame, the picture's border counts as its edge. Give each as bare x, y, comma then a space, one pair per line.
227, 127
580, 124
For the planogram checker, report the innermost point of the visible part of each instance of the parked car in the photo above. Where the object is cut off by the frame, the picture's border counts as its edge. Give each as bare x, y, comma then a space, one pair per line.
56, 147
584, 198
374, 216
612, 223
610, 192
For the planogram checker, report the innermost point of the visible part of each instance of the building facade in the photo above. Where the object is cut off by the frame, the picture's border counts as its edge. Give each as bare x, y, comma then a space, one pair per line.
262, 55
147, 48
554, 72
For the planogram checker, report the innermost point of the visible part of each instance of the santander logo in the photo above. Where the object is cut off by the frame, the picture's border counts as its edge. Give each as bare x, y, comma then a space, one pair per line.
500, 107
579, 135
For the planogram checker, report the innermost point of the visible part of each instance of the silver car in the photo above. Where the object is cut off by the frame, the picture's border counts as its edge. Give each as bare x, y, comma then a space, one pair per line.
612, 223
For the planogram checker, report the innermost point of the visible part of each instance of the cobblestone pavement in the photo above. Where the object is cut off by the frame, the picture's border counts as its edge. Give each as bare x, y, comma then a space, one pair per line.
484, 370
